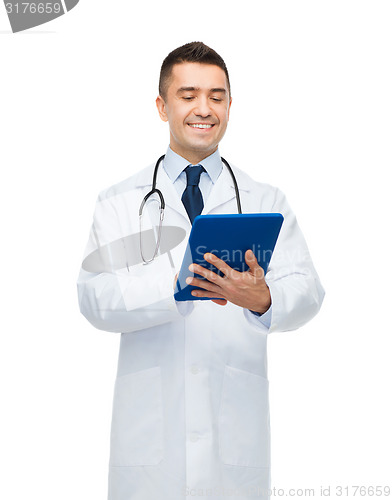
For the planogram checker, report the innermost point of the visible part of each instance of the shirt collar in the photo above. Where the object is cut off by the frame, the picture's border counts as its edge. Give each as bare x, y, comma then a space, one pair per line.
174, 164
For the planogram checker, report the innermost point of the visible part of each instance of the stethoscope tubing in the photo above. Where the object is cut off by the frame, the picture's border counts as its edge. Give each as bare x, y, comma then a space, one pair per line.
162, 199
162, 202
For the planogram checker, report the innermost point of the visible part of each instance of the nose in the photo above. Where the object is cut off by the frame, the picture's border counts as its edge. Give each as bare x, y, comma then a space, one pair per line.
202, 108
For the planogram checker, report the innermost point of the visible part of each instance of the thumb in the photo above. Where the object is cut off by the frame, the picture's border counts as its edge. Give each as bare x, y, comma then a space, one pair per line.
175, 281
254, 267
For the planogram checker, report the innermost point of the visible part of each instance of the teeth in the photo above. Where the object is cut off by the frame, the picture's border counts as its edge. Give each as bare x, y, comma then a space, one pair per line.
200, 125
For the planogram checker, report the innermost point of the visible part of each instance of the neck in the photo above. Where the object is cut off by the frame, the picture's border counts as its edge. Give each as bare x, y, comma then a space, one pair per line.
194, 157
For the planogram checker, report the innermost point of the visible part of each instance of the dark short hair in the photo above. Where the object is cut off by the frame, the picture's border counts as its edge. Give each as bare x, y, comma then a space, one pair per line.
196, 52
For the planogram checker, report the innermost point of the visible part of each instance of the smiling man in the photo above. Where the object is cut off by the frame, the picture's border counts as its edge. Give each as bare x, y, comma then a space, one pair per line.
195, 100
190, 406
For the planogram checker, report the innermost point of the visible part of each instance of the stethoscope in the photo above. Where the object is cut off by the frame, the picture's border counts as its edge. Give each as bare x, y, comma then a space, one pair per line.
162, 205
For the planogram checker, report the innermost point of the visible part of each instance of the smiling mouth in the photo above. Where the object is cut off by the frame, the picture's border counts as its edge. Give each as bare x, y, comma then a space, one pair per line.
201, 125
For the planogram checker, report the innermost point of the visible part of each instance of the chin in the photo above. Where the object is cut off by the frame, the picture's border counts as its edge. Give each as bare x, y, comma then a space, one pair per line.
203, 147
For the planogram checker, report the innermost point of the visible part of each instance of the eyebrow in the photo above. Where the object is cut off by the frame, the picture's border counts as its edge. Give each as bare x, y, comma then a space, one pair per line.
196, 89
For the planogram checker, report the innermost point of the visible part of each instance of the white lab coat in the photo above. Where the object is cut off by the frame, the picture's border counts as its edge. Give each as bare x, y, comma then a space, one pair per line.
190, 408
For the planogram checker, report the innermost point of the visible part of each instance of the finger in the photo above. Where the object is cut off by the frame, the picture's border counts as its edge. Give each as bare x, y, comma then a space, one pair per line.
175, 281
206, 273
220, 264
221, 302
207, 293
254, 266
205, 284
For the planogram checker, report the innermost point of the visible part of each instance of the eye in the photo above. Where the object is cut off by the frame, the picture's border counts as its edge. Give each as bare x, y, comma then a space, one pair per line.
217, 99
188, 98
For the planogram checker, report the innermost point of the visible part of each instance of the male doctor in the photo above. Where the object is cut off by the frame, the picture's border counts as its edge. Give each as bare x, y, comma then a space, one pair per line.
190, 407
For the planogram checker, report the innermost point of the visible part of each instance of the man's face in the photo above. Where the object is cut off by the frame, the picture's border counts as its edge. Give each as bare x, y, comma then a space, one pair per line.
197, 106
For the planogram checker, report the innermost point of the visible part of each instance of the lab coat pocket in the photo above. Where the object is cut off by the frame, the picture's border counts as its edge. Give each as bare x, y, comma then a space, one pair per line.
244, 424
137, 422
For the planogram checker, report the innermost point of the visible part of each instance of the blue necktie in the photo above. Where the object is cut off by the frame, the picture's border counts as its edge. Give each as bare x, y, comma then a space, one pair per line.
192, 198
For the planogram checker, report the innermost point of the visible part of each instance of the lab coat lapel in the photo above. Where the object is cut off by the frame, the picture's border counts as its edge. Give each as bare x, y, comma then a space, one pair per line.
221, 192
165, 185
172, 199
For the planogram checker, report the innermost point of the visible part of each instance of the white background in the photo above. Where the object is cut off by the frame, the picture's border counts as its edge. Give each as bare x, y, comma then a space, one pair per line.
311, 113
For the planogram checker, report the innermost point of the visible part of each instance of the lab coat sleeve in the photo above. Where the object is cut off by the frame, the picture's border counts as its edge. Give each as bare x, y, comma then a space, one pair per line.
296, 291
261, 321
121, 300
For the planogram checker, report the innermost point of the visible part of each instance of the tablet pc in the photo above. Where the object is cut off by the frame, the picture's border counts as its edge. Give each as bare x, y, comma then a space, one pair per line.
228, 236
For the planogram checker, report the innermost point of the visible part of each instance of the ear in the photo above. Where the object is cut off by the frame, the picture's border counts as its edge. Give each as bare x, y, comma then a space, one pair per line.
161, 106
228, 111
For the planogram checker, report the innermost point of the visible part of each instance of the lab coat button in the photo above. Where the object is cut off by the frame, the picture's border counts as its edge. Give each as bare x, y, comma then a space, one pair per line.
194, 437
194, 369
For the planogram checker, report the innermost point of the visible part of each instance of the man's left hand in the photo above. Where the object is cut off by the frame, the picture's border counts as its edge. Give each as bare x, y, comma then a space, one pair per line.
247, 289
